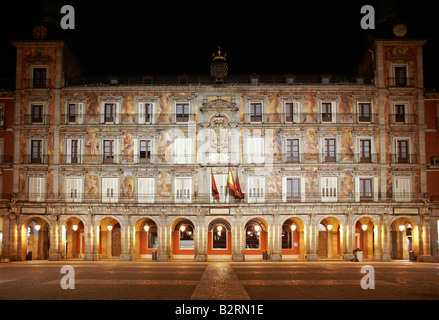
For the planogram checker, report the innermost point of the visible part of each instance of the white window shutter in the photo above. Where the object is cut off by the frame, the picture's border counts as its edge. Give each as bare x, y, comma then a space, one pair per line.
80, 113
117, 111
357, 189
296, 112
141, 113
334, 111
69, 151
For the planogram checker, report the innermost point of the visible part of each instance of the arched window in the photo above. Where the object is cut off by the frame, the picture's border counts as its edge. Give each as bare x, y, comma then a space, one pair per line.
252, 236
219, 237
152, 237
287, 237
186, 229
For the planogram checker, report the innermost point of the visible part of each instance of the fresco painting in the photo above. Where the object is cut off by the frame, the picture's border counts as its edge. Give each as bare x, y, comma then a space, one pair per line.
127, 189
346, 146
310, 147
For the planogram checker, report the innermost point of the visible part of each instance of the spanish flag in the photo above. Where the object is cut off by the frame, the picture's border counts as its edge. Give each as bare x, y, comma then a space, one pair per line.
214, 188
238, 187
231, 182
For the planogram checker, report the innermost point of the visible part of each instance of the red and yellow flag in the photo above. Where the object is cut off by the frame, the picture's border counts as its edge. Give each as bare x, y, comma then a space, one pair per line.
238, 192
214, 188
231, 182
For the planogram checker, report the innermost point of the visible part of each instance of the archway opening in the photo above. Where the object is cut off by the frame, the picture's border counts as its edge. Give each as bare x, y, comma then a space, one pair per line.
255, 238
36, 235
404, 244
365, 237
110, 244
329, 244
293, 237
146, 238
183, 234
219, 237
73, 239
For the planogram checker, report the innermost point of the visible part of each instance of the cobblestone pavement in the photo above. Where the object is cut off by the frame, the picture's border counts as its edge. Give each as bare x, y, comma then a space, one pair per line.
41, 280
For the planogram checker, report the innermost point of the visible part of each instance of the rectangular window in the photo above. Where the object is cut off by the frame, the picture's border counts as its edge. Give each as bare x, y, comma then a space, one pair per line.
110, 190
401, 76
183, 190
402, 189
37, 113
402, 151
256, 112
255, 150
289, 112
293, 190
73, 153
109, 112
326, 112
37, 189
399, 113
256, 189
329, 188
72, 112
108, 151
39, 78
365, 189
182, 112
145, 190
365, 154
364, 112
36, 151
73, 190
145, 151
293, 150
329, 150
221, 185
182, 151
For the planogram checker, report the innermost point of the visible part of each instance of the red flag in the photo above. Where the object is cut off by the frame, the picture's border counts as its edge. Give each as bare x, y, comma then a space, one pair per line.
238, 187
230, 182
214, 188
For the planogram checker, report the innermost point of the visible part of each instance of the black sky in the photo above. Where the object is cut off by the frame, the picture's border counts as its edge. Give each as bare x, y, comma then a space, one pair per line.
173, 37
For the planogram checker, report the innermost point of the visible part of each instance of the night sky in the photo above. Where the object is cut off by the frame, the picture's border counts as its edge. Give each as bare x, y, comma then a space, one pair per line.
174, 37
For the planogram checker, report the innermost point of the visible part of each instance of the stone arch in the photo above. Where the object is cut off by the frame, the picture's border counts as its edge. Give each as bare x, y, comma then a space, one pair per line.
404, 238
365, 236
35, 238
145, 232
109, 237
73, 237
182, 239
255, 238
219, 239
330, 240
293, 242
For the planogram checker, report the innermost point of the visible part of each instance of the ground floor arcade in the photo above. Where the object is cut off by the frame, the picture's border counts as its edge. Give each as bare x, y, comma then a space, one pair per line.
254, 233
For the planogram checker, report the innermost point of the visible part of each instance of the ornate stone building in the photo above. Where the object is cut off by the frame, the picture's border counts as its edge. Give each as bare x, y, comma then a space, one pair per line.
221, 167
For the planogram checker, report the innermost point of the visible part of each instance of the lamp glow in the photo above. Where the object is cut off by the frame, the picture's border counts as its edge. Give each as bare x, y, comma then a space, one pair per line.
75, 227
364, 227
329, 227
257, 228
219, 228
37, 227
401, 228
293, 227
110, 228
146, 228
182, 228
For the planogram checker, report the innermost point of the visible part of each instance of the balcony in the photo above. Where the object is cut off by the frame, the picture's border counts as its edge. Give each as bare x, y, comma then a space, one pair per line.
401, 82
404, 158
41, 119
207, 199
194, 80
37, 83
36, 159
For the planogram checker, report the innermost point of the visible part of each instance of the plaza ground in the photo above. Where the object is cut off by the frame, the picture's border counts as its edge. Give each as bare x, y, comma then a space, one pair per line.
41, 280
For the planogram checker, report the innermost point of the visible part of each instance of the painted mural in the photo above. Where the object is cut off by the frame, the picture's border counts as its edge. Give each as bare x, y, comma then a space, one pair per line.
127, 186
309, 109
311, 184
273, 108
91, 186
274, 186
346, 146
347, 185
127, 148
346, 110
164, 185
310, 146
91, 146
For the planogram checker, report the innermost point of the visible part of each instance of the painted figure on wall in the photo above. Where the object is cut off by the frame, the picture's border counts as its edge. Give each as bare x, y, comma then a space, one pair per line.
309, 109
127, 186
128, 109
346, 149
347, 185
164, 185
346, 112
91, 188
311, 184
310, 151
127, 148
91, 146
273, 109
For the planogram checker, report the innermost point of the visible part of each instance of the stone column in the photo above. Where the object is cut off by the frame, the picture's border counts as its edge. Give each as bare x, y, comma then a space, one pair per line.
125, 236
237, 240
313, 239
54, 253
276, 234
164, 240
200, 239
386, 238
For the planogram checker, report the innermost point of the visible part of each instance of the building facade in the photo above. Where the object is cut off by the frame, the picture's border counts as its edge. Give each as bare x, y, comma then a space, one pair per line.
432, 158
219, 168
